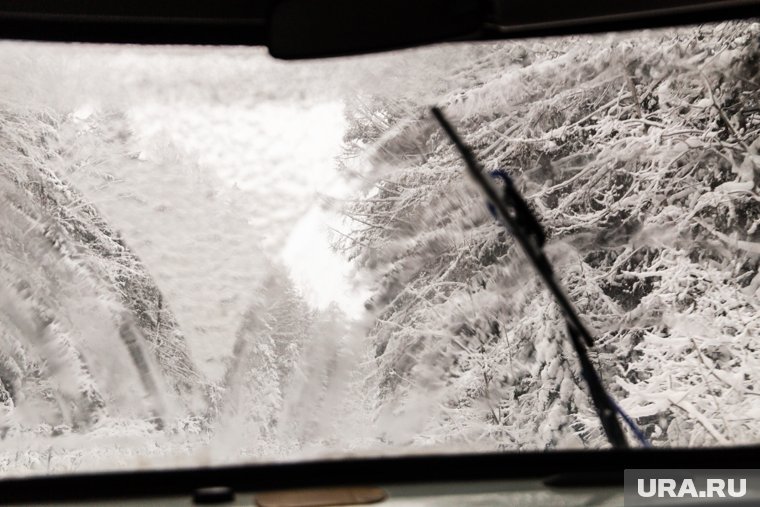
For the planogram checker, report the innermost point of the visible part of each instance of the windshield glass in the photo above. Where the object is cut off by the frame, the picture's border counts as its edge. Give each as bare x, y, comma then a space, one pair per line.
208, 256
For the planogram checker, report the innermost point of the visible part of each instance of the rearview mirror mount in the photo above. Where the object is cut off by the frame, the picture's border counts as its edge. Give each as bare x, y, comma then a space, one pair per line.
319, 28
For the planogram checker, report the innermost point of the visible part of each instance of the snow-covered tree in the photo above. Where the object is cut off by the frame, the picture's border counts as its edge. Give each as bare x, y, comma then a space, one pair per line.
640, 156
62, 265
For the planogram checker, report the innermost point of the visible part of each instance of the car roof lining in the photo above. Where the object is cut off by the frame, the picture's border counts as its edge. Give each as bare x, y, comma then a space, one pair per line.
245, 22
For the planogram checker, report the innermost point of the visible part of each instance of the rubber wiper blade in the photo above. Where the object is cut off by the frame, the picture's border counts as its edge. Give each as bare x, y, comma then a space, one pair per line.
513, 211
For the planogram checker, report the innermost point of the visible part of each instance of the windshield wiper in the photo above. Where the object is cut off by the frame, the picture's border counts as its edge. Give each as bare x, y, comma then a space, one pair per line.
525, 227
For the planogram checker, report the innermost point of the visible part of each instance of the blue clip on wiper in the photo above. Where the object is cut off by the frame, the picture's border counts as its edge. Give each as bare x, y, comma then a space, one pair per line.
522, 214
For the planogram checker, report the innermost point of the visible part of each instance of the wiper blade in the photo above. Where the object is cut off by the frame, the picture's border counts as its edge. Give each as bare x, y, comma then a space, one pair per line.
525, 227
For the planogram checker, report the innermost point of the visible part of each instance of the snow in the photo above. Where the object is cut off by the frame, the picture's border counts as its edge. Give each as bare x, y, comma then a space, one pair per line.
211, 257
274, 185
323, 276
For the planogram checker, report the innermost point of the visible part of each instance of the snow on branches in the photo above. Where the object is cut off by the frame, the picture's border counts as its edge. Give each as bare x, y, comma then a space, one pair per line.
640, 155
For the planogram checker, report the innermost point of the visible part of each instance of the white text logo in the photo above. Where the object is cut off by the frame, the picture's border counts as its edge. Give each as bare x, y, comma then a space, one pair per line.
716, 488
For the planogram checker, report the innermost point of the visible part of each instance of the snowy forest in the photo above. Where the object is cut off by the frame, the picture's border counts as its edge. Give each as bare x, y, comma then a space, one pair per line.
210, 257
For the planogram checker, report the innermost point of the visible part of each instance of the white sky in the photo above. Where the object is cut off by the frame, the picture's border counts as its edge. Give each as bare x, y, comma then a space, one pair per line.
275, 158
283, 156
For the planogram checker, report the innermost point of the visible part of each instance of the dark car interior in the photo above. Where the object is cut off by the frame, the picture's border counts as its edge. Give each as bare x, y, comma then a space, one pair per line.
310, 29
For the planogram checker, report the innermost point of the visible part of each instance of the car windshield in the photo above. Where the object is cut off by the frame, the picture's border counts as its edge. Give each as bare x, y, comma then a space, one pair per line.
208, 256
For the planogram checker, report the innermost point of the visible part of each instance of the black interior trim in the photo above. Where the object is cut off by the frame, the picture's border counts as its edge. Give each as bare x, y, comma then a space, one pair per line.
560, 469
721, 10
233, 24
74, 28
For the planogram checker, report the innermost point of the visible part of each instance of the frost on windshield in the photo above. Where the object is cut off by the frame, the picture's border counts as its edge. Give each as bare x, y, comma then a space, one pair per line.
210, 257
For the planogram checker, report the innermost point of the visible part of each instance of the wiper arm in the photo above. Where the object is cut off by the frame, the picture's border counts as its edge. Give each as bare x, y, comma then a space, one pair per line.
525, 227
